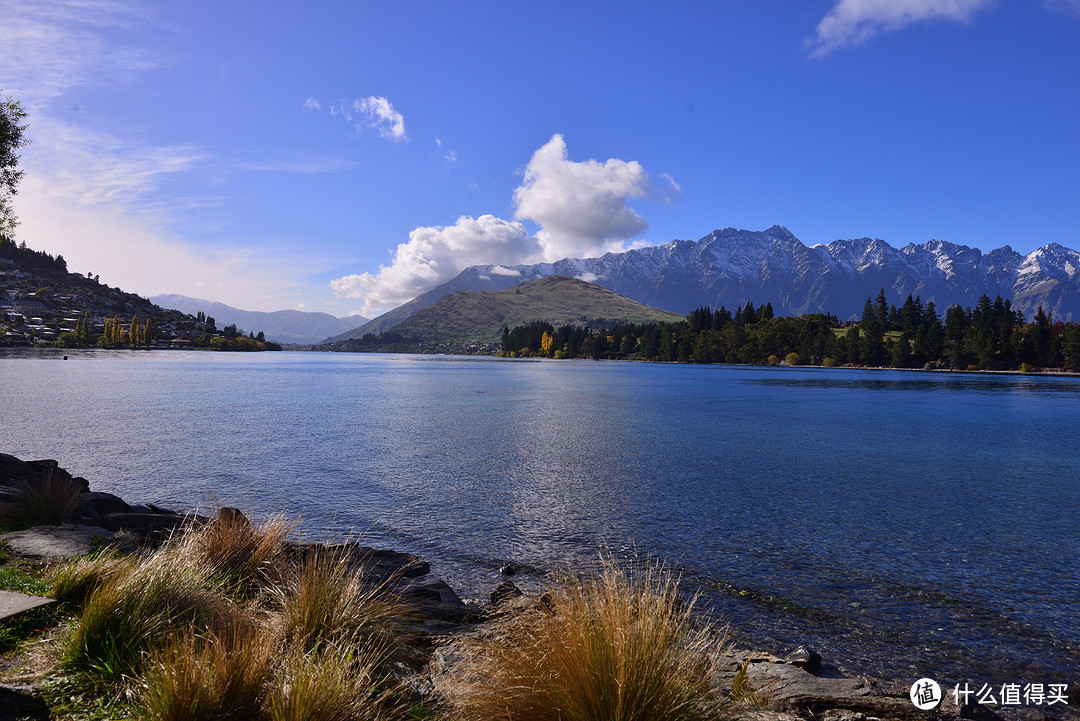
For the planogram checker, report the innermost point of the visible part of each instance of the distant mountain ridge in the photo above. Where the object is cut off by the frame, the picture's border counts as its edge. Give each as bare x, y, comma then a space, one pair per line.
730, 267
282, 326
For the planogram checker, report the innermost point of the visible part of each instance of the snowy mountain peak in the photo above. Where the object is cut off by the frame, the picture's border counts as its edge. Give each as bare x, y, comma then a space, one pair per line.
730, 267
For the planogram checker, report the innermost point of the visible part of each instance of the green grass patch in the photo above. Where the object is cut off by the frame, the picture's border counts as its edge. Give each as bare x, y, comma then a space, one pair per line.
22, 580
71, 698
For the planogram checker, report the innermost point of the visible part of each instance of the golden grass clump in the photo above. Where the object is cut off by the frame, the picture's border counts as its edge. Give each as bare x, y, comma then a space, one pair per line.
223, 621
327, 599
225, 674
135, 614
239, 554
76, 580
614, 647
335, 683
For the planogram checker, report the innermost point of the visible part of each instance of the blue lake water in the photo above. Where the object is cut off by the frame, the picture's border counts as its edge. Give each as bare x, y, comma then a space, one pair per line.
903, 524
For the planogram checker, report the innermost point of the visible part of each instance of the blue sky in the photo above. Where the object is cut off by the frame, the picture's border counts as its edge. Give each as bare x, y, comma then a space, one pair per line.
345, 156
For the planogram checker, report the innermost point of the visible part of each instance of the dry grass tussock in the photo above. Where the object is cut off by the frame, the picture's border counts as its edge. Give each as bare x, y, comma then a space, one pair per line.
240, 555
224, 622
134, 614
338, 682
328, 600
616, 647
75, 581
225, 674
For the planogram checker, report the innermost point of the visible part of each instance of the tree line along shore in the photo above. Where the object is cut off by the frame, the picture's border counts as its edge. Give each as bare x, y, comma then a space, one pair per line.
992, 336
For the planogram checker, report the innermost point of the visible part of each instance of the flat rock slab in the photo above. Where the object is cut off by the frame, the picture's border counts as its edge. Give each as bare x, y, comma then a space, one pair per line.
781, 682
12, 603
55, 542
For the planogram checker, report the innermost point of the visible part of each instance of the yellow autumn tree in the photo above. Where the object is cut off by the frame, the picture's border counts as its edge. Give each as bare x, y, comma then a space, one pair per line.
545, 343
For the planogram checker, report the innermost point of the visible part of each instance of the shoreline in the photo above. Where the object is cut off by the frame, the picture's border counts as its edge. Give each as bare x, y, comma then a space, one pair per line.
801, 682
1056, 373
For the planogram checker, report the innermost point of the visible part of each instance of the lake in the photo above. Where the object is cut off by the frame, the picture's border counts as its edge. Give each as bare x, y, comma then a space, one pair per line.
903, 524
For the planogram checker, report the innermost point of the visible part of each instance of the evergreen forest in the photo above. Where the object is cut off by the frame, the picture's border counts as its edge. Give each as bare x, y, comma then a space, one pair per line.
990, 336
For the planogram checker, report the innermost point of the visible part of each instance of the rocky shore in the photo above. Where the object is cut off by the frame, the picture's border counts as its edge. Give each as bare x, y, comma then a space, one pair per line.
767, 687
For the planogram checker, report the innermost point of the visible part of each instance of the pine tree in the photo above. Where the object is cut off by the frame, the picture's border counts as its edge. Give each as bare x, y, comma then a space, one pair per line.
881, 309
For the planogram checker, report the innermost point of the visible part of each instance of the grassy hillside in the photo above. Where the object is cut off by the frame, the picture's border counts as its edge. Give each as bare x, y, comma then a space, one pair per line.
466, 316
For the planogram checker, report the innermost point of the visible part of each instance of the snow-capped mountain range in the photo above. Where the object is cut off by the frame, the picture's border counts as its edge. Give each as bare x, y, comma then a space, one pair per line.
731, 267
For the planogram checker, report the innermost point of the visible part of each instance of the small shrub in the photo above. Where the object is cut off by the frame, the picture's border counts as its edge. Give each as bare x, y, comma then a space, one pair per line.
792, 359
606, 649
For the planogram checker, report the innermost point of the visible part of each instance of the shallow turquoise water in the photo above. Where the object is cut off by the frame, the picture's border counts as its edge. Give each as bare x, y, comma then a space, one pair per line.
904, 524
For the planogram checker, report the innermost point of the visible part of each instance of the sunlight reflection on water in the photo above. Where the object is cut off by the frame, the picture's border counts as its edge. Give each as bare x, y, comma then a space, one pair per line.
857, 511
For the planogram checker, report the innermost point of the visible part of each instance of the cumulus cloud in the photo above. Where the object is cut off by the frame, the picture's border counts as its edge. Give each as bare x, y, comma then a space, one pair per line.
374, 113
851, 22
580, 206
434, 255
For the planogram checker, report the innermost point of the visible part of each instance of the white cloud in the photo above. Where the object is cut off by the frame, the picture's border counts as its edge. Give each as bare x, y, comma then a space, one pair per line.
133, 251
1070, 7
383, 118
580, 206
48, 47
851, 22
588, 277
88, 167
312, 104
434, 255
450, 155
312, 165
375, 113
93, 195
671, 181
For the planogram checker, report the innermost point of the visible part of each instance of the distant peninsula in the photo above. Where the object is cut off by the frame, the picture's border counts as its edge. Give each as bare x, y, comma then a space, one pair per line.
44, 305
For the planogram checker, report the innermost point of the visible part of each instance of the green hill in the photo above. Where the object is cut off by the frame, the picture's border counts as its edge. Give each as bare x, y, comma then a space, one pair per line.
467, 317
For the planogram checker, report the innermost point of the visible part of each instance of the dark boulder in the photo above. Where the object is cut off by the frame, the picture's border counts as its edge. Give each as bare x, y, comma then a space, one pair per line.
20, 702
805, 659
504, 592
150, 526
97, 504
